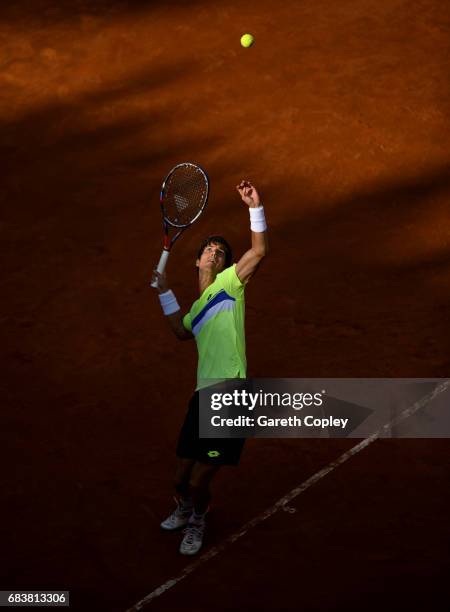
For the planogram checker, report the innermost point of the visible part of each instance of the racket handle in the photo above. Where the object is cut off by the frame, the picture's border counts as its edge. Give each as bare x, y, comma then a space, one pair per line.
161, 265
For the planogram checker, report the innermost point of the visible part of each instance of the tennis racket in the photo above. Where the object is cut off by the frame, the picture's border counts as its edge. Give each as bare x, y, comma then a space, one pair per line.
184, 194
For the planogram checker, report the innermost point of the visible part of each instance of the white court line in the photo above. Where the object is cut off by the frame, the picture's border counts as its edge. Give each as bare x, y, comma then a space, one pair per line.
283, 501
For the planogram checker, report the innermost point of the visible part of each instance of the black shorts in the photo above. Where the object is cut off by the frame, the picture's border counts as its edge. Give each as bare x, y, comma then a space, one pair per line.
214, 451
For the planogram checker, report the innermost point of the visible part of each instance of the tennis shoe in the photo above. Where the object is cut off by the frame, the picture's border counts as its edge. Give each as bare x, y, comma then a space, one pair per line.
193, 537
179, 517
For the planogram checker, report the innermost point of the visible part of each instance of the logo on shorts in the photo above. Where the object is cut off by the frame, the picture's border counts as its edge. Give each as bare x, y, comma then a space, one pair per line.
213, 453
209, 297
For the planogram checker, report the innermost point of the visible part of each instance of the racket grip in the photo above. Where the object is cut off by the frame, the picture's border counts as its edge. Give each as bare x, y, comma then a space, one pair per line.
161, 265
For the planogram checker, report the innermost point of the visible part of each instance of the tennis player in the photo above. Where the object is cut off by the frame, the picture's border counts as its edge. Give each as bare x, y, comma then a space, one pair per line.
216, 322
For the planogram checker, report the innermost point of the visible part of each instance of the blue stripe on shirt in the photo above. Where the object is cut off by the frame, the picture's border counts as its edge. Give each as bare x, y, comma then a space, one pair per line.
219, 297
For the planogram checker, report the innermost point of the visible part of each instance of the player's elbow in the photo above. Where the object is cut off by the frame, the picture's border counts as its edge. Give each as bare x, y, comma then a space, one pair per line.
261, 252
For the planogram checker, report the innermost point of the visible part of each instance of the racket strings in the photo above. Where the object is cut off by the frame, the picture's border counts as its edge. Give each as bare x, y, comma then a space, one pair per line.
184, 196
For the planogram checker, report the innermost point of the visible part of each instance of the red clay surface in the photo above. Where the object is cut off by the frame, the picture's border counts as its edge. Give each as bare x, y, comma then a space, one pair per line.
339, 115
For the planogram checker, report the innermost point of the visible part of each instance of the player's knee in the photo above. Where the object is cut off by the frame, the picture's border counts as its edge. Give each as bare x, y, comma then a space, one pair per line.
201, 479
197, 485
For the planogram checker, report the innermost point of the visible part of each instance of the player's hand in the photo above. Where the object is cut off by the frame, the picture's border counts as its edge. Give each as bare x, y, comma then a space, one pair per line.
248, 194
161, 281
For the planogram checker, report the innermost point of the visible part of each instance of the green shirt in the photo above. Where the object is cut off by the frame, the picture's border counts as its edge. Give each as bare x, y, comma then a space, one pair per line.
217, 321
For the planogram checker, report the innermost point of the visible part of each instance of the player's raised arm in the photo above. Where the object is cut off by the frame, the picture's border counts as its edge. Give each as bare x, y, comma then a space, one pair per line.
249, 262
170, 306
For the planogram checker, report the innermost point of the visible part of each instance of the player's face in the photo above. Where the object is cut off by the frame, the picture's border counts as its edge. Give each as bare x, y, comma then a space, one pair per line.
212, 258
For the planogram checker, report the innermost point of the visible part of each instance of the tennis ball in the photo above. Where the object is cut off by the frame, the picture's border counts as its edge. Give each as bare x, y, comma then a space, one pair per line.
247, 40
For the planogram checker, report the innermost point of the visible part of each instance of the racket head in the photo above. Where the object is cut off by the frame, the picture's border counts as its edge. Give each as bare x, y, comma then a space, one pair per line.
184, 194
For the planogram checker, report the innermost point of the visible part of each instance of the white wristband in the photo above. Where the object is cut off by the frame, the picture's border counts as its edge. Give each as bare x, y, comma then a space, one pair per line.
169, 302
257, 219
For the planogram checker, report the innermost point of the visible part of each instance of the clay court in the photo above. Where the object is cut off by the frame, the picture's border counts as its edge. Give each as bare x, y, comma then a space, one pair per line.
339, 114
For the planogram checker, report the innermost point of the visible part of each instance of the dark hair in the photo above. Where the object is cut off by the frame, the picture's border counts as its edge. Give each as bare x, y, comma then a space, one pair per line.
217, 240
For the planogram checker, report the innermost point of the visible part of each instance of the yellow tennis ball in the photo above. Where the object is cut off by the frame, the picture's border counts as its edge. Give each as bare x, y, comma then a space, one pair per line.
247, 40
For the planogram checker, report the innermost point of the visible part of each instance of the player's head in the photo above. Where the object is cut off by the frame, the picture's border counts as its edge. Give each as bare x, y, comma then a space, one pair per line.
214, 252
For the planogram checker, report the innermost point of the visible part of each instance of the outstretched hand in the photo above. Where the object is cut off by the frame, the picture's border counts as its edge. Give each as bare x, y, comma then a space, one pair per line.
248, 194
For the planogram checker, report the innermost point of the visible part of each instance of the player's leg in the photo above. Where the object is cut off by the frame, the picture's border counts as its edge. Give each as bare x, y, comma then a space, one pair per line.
186, 452
184, 504
183, 469
199, 486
